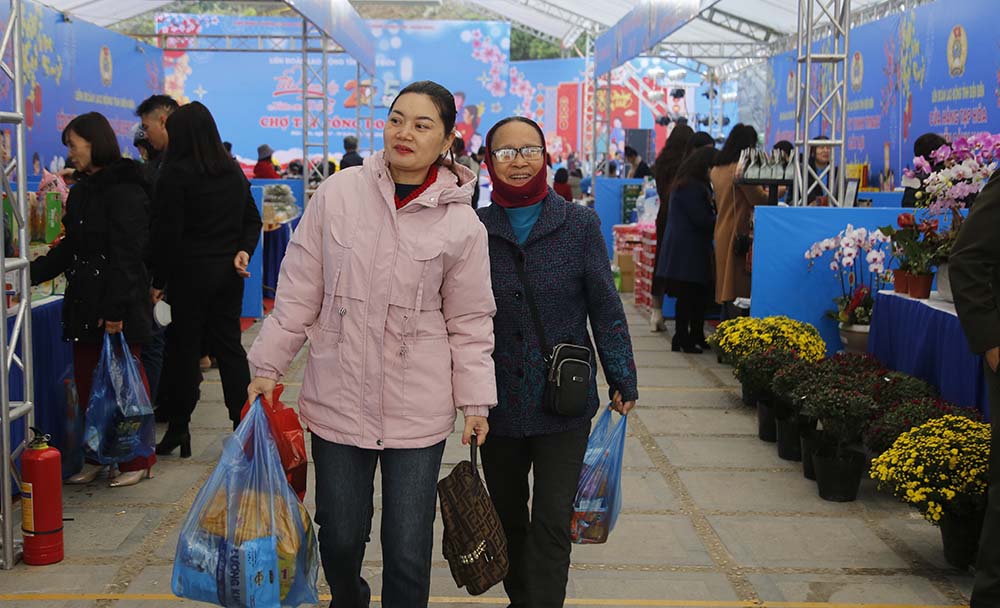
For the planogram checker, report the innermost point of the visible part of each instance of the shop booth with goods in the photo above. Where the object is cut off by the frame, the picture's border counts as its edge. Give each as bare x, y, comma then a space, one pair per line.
60, 64
865, 87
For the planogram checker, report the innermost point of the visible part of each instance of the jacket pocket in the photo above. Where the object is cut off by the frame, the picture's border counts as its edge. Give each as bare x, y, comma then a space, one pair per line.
338, 254
323, 387
427, 389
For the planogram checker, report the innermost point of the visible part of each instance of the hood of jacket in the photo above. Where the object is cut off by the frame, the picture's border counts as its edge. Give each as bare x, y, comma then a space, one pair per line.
455, 182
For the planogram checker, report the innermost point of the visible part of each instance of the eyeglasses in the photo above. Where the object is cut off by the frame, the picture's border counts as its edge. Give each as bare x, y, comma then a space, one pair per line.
506, 155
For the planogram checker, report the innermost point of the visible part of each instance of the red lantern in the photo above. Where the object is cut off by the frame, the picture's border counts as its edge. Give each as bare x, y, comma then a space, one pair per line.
38, 98
41, 502
29, 113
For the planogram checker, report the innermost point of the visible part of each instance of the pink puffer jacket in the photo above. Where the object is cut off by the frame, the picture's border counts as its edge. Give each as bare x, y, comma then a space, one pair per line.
397, 306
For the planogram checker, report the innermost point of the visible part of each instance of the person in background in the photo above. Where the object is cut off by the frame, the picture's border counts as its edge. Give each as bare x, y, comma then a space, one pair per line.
229, 149
107, 231
700, 139
734, 213
686, 261
480, 155
561, 185
974, 268
209, 226
784, 146
819, 161
575, 178
459, 156
153, 112
264, 169
351, 158
638, 169
399, 237
667, 162
570, 282
922, 147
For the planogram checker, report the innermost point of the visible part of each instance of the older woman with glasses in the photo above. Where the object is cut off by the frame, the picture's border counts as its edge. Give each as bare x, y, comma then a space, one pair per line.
550, 272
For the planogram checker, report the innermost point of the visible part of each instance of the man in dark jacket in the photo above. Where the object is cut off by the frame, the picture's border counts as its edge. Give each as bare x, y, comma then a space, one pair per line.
351, 157
975, 281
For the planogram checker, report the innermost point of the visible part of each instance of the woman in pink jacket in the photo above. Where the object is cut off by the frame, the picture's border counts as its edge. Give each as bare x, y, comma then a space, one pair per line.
388, 277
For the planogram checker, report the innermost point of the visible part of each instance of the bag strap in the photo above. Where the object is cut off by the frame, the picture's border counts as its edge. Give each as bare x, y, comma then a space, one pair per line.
519, 261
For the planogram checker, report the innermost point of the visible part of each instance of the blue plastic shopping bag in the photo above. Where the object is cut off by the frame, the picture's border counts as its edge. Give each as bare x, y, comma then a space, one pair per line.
599, 492
247, 541
119, 424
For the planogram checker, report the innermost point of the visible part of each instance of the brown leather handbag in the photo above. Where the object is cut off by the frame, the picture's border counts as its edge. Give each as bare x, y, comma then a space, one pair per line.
474, 542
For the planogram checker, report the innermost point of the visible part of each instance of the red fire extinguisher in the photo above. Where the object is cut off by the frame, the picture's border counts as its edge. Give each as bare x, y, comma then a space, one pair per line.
41, 502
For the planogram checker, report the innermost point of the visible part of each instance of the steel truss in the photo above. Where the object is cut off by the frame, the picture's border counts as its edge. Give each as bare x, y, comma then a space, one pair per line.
15, 344
828, 104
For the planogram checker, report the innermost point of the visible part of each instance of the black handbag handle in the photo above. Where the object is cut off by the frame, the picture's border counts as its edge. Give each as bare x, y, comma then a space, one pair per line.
522, 275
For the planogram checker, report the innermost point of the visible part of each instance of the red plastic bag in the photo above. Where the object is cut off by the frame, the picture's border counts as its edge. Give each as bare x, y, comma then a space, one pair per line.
289, 438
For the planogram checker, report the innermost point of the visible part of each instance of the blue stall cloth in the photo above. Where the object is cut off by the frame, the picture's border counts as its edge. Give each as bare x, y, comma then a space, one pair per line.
52, 359
608, 205
924, 339
882, 199
253, 286
275, 243
782, 283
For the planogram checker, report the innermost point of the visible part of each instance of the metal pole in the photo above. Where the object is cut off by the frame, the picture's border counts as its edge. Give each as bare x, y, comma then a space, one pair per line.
306, 166
840, 167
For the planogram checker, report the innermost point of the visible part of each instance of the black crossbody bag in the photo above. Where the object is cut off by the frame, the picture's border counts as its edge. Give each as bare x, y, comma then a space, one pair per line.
567, 366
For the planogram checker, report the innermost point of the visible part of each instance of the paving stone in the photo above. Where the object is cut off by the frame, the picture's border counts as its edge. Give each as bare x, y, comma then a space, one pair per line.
171, 480
674, 586
758, 492
647, 342
635, 455
724, 375
646, 491
733, 452
920, 537
708, 398
676, 421
803, 542
671, 377
647, 540
107, 532
57, 578
842, 589
661, 359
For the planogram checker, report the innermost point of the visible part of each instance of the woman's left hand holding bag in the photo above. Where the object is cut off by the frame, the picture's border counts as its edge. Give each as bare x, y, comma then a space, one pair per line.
111, 327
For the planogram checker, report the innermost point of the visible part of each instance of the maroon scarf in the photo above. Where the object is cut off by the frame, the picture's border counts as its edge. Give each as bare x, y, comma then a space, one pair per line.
510, 196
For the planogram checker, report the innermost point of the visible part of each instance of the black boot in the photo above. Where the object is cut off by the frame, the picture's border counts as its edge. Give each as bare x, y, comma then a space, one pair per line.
175, 437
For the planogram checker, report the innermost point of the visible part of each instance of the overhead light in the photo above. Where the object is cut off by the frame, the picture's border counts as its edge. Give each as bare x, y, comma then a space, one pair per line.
731, 96
655, 95
656, 73
678, 74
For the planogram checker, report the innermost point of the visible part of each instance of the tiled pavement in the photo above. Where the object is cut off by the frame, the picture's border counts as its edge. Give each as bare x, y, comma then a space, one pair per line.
711, 517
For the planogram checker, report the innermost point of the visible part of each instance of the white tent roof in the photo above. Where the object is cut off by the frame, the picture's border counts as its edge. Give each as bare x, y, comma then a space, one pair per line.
725, 30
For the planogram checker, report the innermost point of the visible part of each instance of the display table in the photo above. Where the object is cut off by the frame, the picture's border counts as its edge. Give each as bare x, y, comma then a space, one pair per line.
53, 362
923, 338
275, 243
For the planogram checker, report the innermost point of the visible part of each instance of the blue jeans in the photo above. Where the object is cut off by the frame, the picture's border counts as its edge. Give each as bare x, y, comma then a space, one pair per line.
345, 487
152, 360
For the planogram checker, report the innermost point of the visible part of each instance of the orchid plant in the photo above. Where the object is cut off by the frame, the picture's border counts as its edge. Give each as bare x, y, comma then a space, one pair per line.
859, 262
951, 180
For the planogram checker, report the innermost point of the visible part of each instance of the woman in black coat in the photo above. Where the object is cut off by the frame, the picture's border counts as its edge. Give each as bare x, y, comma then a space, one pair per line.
107, 230
207, 226
685, 264
667, 162
568, 279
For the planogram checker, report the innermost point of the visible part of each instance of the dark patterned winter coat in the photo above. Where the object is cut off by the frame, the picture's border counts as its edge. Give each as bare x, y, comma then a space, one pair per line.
570, 276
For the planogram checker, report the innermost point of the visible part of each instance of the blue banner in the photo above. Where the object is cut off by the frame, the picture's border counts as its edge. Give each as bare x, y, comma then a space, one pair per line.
640, 30
70, 68
257, 97
341, 23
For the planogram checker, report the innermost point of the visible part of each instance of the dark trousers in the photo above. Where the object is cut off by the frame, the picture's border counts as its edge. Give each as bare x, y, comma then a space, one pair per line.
85, 359
986, 588
152, 361
538, 542
689, 314
345, 487
205, 303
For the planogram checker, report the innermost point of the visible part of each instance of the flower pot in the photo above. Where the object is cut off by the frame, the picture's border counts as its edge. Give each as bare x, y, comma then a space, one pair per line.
854, 338
960, 538
944, 284
838, 473
789, 439
901, 281
920, 286
749, 399
807, 436
767, 429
